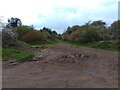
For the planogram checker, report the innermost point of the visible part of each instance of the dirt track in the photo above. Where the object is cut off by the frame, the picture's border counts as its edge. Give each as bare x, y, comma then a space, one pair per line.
65, 66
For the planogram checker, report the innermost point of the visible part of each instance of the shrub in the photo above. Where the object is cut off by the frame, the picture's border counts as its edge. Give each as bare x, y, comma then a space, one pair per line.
8, 38
89, 36
21, 31
74, 36
108, 45
34, 36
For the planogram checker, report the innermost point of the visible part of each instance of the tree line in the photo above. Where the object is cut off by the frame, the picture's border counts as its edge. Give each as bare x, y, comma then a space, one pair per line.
90, 32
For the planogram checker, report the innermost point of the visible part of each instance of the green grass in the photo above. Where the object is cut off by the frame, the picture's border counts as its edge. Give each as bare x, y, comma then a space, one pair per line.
48, 42
39, 46
10, 53
52, 42
44, 45
70, 42
105, 45
37, 43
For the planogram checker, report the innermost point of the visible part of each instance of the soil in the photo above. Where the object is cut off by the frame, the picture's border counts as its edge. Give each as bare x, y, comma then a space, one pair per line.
64, 66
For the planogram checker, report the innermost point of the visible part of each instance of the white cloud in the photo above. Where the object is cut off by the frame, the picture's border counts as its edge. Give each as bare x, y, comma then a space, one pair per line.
49, 12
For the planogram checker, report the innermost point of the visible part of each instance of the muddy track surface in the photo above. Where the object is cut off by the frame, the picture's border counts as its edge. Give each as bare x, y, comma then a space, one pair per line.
64, 66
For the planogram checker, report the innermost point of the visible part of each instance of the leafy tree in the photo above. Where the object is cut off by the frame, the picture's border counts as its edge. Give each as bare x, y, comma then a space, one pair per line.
115, 30
59, 36
115, 26
72, 29
69, 30
14, 22
52, 34
98, 23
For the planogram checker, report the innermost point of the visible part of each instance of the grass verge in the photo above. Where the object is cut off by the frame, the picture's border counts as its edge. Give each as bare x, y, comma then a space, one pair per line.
105, 45
10, 53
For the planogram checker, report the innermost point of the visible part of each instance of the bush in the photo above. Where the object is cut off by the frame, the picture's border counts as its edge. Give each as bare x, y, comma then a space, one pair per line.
21, 31
108, 45
34, 36
8, 38
102, 45
89, 36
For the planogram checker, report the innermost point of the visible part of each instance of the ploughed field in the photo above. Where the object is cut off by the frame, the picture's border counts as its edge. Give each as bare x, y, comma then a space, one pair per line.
64, 66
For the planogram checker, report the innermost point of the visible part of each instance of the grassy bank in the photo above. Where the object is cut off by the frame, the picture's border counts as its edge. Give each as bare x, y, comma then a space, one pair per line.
106, 45
10, 53
13, 53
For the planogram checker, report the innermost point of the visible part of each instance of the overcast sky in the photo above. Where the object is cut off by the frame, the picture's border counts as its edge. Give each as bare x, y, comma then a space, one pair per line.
59, 14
